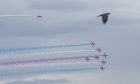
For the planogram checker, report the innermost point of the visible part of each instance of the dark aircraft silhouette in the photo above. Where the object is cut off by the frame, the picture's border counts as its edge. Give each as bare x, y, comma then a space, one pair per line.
93, 44
97, 57
99, 50
87, 58
104, 17
105, 55
103, 62
102, 68
39, 16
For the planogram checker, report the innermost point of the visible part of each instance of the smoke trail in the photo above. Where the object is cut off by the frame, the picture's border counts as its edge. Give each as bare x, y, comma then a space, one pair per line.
57, 52
43, 47
74, 63
48, 53
43, 60
21, 73
16, 15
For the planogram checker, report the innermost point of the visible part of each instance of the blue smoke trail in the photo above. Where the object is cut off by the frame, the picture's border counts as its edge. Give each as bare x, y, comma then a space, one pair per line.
40, 48
44, 71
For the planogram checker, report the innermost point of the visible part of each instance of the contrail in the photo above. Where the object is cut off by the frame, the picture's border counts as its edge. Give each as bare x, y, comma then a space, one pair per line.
43, 47
22, 73
16, 15
42, 60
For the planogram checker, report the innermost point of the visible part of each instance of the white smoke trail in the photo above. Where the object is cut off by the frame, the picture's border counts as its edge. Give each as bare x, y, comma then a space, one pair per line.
46, 53
17, 15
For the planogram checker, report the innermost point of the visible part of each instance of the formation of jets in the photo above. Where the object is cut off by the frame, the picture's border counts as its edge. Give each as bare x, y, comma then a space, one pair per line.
100, 55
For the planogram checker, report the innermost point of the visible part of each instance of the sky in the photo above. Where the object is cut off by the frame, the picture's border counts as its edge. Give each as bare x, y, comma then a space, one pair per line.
76, 21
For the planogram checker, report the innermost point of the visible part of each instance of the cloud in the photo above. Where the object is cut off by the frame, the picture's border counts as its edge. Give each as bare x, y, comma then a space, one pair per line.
61, 5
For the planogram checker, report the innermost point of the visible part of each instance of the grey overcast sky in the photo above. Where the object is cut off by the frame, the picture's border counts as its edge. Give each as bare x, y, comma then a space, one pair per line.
76, 21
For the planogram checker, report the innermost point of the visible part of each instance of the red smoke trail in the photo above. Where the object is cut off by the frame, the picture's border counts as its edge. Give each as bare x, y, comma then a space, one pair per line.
44, 60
